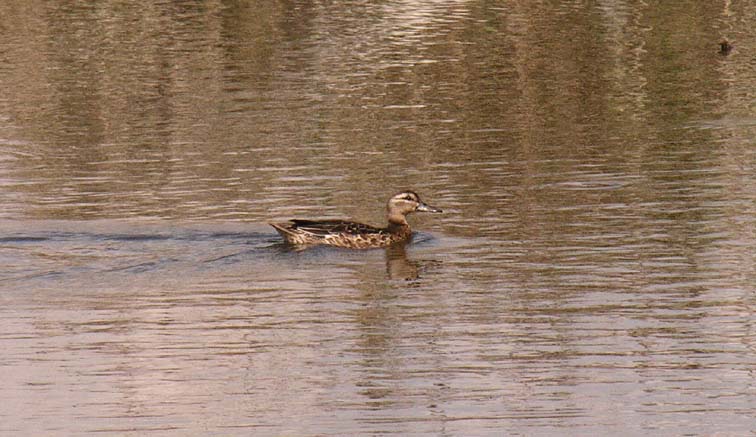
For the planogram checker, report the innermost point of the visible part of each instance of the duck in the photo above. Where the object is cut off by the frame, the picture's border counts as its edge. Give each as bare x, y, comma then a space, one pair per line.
353, 235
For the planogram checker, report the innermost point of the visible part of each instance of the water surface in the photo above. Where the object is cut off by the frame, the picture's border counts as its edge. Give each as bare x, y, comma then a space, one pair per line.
592, 273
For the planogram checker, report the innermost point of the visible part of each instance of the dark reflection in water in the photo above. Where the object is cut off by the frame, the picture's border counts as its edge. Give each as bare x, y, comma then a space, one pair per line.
398, 266
593, 271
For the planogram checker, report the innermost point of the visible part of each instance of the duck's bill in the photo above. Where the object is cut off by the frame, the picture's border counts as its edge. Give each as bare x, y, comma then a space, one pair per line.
427, 208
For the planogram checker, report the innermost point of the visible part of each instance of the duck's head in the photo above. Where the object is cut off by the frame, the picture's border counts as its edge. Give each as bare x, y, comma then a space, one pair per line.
405, 203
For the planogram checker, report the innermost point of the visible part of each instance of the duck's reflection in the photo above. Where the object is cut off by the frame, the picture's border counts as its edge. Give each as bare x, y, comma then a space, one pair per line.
398, 266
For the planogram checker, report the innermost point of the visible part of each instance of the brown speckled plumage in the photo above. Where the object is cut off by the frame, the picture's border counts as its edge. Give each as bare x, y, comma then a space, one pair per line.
353, 235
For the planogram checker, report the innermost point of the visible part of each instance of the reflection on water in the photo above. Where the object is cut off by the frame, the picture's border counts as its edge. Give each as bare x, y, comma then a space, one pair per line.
397, 264
592, 273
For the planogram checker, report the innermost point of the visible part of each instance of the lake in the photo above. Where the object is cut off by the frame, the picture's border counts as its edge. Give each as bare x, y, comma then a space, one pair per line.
592, 273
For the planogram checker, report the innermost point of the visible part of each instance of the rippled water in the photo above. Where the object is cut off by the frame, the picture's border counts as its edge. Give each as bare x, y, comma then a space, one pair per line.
592, 273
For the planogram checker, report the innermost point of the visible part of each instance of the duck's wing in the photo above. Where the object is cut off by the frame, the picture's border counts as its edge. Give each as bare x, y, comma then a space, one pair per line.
324, 228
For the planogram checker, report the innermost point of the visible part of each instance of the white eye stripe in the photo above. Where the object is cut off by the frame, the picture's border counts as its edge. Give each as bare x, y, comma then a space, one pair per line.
407, 197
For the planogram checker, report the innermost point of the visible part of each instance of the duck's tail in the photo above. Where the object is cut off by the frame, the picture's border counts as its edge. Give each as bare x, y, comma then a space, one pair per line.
283, 228
288, 233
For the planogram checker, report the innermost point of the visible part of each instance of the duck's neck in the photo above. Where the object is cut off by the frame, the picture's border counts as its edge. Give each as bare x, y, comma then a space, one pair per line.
397, 224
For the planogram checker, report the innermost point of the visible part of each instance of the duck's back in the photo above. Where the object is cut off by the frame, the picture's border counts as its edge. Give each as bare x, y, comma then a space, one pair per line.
331, 227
